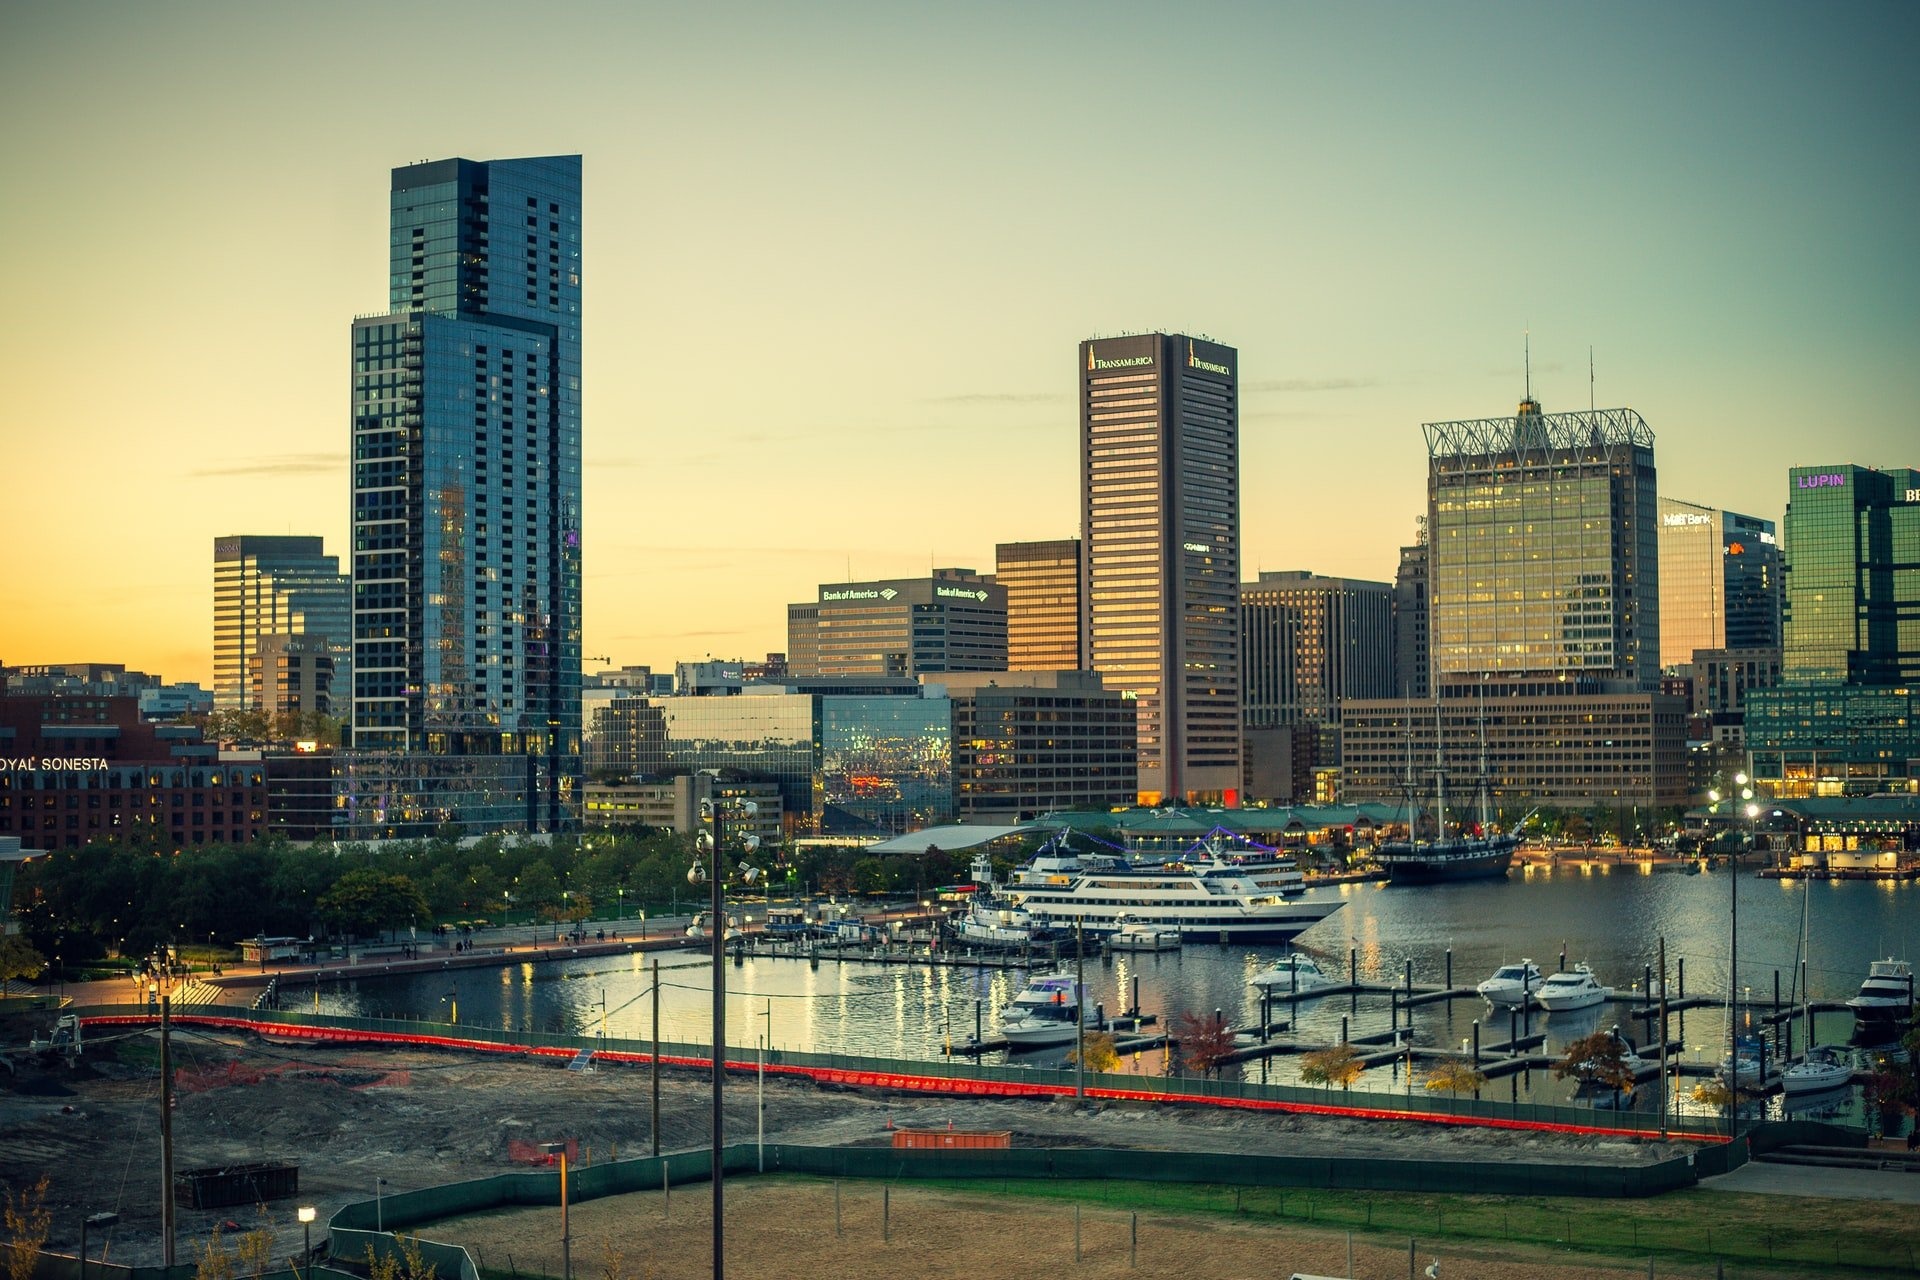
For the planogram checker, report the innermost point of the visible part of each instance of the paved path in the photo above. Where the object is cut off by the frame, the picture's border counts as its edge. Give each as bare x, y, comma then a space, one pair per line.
1767, 1179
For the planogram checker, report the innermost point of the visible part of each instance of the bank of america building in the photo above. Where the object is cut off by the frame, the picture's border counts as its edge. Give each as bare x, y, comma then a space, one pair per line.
466, 506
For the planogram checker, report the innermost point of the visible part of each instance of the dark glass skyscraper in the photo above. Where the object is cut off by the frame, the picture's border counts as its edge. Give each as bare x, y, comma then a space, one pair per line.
466, 477
1160, 523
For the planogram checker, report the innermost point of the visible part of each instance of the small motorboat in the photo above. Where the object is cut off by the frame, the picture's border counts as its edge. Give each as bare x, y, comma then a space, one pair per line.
1748, 1065
1512, 983
1137, 935
1576, 990
1049, 1011
1294, 975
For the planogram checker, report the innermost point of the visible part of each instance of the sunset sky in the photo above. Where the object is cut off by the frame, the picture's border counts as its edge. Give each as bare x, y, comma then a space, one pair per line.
838, 258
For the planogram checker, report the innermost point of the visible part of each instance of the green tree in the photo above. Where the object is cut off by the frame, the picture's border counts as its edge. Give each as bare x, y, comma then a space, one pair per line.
363, 901
18, 959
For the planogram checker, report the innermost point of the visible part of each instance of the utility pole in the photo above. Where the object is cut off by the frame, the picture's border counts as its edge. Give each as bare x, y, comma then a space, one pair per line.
166, 1126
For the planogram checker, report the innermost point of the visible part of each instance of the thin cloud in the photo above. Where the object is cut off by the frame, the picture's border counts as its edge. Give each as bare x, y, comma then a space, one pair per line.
278, 464
1290, 385
1000, 397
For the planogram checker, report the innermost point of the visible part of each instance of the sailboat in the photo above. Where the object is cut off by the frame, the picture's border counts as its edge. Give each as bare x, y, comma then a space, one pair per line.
1463, 857
1824, 1067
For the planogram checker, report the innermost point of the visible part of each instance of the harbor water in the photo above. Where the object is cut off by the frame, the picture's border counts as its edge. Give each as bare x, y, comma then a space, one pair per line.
1608, 915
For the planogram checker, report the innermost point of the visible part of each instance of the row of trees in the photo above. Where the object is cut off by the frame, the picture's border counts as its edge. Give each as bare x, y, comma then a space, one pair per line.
81, 904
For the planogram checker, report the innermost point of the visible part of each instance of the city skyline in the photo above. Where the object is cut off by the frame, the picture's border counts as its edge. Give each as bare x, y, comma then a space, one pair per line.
805, 222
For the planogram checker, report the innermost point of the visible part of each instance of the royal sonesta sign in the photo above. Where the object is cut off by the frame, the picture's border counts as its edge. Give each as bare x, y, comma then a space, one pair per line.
62, 764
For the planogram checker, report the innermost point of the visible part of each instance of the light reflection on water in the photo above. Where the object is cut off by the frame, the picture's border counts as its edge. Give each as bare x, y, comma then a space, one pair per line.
1609, 916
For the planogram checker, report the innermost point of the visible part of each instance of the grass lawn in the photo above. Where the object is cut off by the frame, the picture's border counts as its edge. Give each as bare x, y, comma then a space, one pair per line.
1872, 1236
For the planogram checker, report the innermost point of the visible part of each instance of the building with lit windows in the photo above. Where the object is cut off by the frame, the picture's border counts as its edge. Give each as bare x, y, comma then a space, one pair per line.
1845, 717
466, 500
954, 620
1544, 623
1030, 742
273, 586
1160, 525
80, 770
1308, 644
1412, 649
850, 756
1042, 581
1719, 581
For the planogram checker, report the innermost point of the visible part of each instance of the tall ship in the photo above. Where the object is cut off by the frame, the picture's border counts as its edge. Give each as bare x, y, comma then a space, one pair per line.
1481, 853
1211, 892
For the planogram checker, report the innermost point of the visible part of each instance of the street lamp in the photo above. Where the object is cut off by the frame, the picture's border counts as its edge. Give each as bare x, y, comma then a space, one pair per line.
1745, 793
713, 843
96, 1221
307, 1215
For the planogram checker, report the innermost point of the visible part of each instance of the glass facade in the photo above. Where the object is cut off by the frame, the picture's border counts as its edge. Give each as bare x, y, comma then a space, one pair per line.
466, 475
1852, 610
1042, 580
1160, 516
272, 586
1310, 644
883, 763
1543, 557
1719, 582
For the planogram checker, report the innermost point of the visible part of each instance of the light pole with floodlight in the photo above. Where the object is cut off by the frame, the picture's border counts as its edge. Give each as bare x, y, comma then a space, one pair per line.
713, 843
1742, 794
307, 1215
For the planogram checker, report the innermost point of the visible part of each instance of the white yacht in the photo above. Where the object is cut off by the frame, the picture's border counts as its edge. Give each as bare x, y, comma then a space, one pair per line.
1294, 975
1049, 1011
1138, 935
1208, 894
1825, 1067
1748, 1065
1887, 994
1512, 983
991, 923
1576, 990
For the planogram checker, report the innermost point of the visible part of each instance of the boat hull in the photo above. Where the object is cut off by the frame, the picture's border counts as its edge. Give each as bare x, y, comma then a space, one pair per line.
1419, 868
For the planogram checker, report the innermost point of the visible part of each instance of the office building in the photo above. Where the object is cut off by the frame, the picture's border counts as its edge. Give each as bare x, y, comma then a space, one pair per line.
673, 804
1544, 625
1160, 524
1845, 717
1032, 742
855, 756
272, 586
466, 493
1412, 651
1309, 644
1042, 580
1719, 581
292, 675
954, 620
1543, 552
79, 770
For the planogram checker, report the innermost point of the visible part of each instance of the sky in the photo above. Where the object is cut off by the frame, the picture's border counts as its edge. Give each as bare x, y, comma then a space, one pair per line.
838, 259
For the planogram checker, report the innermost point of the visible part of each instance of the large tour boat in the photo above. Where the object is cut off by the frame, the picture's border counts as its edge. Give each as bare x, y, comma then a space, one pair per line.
1213, 892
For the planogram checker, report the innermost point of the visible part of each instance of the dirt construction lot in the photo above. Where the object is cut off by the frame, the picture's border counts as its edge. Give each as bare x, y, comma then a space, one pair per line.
417, 1118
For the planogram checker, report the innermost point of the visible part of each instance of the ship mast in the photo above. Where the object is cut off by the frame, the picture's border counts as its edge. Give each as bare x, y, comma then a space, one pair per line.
1486, 816
1439, 779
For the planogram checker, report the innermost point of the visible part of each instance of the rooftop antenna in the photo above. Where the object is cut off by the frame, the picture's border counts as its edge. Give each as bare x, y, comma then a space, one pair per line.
1590, 405
1526, 358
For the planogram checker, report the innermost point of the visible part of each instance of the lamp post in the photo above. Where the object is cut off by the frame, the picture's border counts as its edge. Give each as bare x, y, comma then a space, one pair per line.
95, 1220
1743, 793
714, 843
307, 1215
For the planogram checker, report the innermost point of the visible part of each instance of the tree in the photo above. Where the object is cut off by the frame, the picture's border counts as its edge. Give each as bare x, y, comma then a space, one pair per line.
364, 901
1339, 1065
18, 959
1204, 1041
1454, 1075
1598, 1059
1100, 1052
27, 1220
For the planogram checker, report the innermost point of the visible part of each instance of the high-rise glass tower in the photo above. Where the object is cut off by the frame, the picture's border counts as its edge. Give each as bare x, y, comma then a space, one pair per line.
1543, 557
1160, 524
466, 476
272, 586
1719, 581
